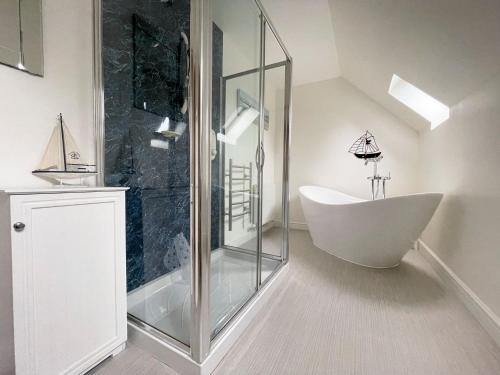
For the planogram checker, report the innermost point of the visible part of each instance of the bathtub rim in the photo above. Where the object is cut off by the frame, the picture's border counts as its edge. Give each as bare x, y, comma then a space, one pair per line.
358, 200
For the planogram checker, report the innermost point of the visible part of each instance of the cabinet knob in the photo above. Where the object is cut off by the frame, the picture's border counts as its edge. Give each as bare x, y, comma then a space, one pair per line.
19, 227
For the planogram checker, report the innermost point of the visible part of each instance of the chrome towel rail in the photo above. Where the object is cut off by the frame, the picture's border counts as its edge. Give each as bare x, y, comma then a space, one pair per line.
243, 180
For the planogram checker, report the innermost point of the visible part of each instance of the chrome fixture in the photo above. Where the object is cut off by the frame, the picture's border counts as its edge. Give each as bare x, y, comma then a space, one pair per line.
376, 177
19, 227
239, 175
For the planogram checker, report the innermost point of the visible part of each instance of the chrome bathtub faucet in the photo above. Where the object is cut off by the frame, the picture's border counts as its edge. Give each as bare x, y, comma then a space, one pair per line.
376, 177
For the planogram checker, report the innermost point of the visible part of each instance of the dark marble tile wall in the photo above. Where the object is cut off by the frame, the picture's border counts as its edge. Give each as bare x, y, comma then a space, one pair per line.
158, 202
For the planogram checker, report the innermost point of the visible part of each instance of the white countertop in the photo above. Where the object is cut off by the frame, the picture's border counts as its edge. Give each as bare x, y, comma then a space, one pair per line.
62, 189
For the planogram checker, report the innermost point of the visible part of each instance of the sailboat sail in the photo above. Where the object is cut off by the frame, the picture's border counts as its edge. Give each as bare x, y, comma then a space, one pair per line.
73, 157
53, 156
365, 147
62, 158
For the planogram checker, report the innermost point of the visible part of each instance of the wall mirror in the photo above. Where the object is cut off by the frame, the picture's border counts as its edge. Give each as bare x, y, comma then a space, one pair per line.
21, 41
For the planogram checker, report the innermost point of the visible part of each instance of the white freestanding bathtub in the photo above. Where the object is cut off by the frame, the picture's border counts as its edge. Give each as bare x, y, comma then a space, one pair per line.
369, 233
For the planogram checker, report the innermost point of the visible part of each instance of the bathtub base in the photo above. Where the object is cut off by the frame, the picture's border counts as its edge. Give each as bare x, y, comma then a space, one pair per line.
331, 252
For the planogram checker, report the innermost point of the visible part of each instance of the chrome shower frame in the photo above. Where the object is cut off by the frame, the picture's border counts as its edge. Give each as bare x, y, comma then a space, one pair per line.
202, 345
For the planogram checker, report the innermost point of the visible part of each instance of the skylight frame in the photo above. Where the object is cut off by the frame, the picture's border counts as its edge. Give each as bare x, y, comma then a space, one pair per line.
419, 101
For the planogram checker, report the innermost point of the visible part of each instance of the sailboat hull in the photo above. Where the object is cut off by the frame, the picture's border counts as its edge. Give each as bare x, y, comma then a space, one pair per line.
368, 155
63, 175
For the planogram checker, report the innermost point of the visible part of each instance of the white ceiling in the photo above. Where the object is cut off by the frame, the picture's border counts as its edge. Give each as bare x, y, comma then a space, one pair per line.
306, 29
447, 48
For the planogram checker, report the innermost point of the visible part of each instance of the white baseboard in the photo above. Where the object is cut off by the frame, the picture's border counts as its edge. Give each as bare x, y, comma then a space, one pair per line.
486, 317
297, 225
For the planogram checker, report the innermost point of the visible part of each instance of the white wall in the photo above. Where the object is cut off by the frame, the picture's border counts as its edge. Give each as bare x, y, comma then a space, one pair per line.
29, 104
328, 117
461, 159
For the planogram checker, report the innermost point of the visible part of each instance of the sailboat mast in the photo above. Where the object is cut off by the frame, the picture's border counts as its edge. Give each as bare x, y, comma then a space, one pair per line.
62, 139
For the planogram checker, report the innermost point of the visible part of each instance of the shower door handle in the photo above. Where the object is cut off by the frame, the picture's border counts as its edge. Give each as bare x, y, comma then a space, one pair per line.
263, 155
259, 162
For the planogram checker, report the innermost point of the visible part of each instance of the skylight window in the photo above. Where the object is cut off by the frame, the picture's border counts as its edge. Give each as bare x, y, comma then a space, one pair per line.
425, 105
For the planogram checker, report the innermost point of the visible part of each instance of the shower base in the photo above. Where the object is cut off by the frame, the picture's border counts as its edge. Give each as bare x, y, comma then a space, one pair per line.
165, 305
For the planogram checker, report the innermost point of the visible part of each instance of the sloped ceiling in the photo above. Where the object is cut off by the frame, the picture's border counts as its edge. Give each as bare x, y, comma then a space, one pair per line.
306, 28
448, 48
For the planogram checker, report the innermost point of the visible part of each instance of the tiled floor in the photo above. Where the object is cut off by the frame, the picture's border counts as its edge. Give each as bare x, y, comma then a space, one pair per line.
332, 317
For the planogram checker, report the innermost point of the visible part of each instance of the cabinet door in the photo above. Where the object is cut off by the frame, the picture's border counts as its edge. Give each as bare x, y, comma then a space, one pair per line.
68, 267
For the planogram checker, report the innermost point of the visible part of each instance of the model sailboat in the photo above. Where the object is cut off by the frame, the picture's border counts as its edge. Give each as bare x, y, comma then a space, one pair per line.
365, 147
62, 159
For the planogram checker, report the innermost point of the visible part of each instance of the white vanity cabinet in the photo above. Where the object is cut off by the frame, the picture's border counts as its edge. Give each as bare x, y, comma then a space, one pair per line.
62, 277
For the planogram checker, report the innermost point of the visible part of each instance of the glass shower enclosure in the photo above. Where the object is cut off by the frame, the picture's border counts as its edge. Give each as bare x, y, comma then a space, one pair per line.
193, 116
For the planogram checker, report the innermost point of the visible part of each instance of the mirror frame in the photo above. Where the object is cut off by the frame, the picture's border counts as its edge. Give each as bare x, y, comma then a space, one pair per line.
30, 19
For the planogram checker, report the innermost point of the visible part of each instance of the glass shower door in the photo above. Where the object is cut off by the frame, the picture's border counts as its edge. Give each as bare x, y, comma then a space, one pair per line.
147, 149
273, 137
195, 208
236, 90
